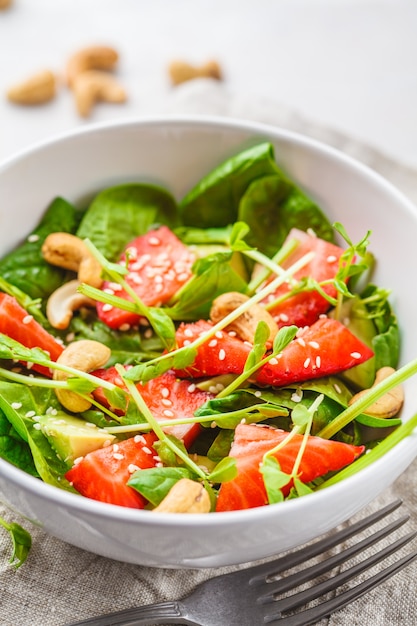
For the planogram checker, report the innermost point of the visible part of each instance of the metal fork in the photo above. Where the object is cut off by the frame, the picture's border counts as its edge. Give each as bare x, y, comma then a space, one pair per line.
253, 595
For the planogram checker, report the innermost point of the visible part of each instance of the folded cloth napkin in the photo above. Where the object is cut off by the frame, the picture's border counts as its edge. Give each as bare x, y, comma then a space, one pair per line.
60, 583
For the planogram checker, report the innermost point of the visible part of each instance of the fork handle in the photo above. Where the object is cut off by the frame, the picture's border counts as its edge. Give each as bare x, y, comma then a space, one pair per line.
160, 613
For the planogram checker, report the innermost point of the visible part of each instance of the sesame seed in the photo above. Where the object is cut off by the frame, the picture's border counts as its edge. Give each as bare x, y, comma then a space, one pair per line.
33, 238
191, 388
132, 468
188, 332
183, 276
331, 258
213, 343
222, 355
273, 361
165, 392
169, 413
37, 426
306, 362
296, 397
109, 291
314, 344
166, 402
159, 287
318, 362
337, 388
78, 460
159, 464
107, 443
311, 232
118, 456
232, 333
186, 342
16, 405
136, 279
124, 327
30, 414
158, 279
301, 342
355, 355
219, 334
107, 307
154, 241
27, 319
139, 439
115, 447
146, 450
283, 317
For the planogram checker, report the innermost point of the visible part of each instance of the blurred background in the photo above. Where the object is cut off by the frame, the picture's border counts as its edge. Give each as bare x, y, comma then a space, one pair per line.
340, 65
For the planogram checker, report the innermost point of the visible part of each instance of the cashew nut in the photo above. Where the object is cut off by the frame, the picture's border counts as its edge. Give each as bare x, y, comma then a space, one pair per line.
92, 86
70, 252
5, 4
91, 58
390, 403
180, 71
84, 355
186, 496
63, 302
36, 89
244, 325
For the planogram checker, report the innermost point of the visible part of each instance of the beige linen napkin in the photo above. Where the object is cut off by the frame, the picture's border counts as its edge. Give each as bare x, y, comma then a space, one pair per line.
60, 584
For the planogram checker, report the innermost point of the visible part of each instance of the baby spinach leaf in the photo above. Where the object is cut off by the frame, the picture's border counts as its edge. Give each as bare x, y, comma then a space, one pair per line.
25, 267
14, 449
155, 483
214, 201
20, 404
119, 214
271, 206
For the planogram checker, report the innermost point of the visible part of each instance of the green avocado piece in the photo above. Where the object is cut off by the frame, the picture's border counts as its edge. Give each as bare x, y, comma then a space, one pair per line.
72, 437
237, 261
355, 316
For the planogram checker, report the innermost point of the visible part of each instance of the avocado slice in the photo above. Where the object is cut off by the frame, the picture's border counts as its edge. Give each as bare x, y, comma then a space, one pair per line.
355, 315
72, 437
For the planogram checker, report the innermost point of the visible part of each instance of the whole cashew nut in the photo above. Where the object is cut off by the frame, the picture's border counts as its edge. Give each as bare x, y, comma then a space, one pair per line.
92, 86
390, 403
91, 58
186, 496
70, 252
63, 302
84, 355
245, 325
37, 89
181, 71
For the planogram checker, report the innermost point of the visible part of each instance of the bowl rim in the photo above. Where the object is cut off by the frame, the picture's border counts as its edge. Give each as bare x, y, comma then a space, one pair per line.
113, 512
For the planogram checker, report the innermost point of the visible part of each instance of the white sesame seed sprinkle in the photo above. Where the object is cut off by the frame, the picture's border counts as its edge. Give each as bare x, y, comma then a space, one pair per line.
154, 241
318, 362
213, 343
107, 307
165, 392
331, 258
33, 238
222, 355
118, 456
191, 388
16, 405
355, 355
314, 344
307, 362
27, 319
139, 439
166, 402
146, 450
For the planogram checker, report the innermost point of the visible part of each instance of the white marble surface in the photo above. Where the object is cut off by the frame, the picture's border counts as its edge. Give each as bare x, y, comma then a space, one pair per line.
346, 64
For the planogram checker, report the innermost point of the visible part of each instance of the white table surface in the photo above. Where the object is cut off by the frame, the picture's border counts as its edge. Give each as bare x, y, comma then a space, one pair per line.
348, 64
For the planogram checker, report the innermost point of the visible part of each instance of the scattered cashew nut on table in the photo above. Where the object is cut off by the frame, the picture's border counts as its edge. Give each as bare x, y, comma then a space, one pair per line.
245, 325
186, 496
85, 355
91, 58
181, 71
37, 89
96, 86
390, 403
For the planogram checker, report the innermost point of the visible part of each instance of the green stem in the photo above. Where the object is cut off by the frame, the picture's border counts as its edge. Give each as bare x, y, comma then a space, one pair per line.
372, 455
155, 425
269, 265
373, 394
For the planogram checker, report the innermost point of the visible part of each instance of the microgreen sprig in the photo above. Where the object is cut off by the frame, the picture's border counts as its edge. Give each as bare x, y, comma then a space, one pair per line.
21, 540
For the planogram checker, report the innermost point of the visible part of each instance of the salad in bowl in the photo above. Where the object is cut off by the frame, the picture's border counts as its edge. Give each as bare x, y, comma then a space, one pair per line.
222, 352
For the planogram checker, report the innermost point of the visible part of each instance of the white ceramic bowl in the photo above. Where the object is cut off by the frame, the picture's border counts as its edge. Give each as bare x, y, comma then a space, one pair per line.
176, 153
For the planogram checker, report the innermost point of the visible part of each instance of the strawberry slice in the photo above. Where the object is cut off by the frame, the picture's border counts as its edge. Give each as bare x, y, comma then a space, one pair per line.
159, 265
103, 474
167, 398
324, 348
221, 354
304, 308
252, 441
17, 324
